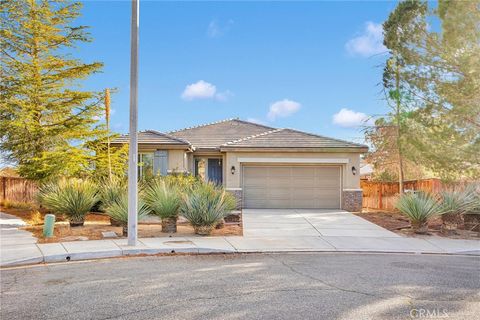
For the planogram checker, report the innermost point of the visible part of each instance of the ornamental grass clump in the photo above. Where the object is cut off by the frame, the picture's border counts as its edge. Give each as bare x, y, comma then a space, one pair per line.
472, 216
118, 211
72, 198
454, 203
163, 198
112, 191
206, 206
418, 208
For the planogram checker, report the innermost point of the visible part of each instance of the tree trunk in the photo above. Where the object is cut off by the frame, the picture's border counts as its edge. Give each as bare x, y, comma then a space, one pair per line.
169, 225
399, 131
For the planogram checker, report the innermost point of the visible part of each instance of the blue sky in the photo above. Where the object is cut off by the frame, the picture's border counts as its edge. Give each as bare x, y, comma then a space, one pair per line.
286, 64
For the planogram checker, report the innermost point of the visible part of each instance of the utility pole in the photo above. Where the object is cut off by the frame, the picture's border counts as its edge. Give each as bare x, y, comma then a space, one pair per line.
133, 146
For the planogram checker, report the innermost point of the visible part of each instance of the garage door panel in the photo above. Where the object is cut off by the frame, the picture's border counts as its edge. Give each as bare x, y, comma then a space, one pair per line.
291, 187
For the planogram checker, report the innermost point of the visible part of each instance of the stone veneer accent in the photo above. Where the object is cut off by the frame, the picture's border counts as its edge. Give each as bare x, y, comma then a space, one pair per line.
352, 200
238, 195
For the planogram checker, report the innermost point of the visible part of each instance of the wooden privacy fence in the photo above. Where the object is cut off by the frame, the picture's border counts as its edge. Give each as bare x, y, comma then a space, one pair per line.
17, 189
382, 195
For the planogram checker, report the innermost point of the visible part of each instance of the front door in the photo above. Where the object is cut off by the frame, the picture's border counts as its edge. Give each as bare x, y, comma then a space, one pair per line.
215, 171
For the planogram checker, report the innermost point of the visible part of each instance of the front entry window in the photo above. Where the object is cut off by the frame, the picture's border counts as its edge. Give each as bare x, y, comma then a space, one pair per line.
145, 165
209, 169
201, 168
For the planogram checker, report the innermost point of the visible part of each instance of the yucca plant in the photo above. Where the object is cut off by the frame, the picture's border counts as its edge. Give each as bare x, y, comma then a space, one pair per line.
118, 211
453, 204
206, 206
472, 216
73, 198
110, 192
418, 208
164, 199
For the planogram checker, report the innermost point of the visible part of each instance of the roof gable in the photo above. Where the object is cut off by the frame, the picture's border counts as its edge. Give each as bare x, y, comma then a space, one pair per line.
213, 135
153, 137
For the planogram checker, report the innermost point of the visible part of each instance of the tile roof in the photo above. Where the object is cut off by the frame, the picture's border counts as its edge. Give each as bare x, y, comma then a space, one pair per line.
289, 138
235, 133
153, 137
213, 135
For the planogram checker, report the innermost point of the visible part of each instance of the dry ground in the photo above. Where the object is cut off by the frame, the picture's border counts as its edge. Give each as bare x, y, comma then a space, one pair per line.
95, 224
398, 223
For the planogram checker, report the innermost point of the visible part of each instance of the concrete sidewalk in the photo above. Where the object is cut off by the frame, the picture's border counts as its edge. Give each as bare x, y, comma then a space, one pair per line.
18, 247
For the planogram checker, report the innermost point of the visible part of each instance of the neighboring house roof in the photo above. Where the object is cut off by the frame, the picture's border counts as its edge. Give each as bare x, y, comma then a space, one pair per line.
153, 137
213, 135
288, 138
237, 134
366, 169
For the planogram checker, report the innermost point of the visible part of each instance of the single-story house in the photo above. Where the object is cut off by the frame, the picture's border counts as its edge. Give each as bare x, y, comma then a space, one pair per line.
263, 167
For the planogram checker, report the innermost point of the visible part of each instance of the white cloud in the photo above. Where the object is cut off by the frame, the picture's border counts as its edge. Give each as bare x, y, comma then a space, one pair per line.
215, 29
199, 90
369, 43
204, 90
282, 108
349, 118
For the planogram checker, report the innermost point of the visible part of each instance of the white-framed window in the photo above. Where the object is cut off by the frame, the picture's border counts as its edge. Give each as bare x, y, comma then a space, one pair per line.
145, 165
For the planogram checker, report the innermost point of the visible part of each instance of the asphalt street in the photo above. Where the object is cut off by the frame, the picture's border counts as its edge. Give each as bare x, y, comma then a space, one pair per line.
247, 286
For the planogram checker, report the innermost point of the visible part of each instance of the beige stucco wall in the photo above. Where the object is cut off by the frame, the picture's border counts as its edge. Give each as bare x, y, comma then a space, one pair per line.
177, 161
349, 181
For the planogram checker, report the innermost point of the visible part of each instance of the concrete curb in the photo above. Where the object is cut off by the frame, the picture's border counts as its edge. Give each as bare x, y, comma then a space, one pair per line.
132, 252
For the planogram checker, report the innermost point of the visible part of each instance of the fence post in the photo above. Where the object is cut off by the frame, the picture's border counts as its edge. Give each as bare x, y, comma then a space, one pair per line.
4, 187
380, 196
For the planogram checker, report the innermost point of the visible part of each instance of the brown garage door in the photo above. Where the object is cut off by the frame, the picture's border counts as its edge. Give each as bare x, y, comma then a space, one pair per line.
291, 187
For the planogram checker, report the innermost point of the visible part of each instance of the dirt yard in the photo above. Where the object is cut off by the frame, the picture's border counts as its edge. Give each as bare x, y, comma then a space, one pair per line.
95, 224
398, 223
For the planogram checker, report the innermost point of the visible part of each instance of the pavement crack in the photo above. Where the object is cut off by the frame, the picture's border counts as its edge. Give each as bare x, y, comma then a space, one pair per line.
334, 287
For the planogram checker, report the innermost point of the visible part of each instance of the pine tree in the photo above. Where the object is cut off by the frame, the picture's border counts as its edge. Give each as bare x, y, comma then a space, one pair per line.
45, 119
432, 80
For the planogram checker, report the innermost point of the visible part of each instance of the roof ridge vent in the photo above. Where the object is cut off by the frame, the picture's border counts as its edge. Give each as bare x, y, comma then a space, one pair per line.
252, 136
204, 125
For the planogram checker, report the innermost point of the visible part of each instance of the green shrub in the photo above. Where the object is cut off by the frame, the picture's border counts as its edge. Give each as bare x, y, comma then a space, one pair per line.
419, 208
73, 198
111, 191
457, 202
454, 203
163, 199
118, 210
184, 183
206, 205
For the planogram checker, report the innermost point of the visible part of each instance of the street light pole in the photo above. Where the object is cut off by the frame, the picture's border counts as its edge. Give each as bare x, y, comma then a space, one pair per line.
133, 146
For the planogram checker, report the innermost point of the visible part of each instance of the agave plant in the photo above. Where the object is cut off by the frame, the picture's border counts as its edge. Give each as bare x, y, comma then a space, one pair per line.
73, 198
110, 192
118, 211
472, 216
206, 206
419, 208
164, 201
453, 205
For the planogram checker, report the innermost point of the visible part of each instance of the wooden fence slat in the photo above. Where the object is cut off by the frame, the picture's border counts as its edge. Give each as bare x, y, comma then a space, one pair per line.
18, 189
382, 195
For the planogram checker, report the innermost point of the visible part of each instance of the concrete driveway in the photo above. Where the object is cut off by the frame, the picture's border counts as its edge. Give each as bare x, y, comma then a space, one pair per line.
308, 223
